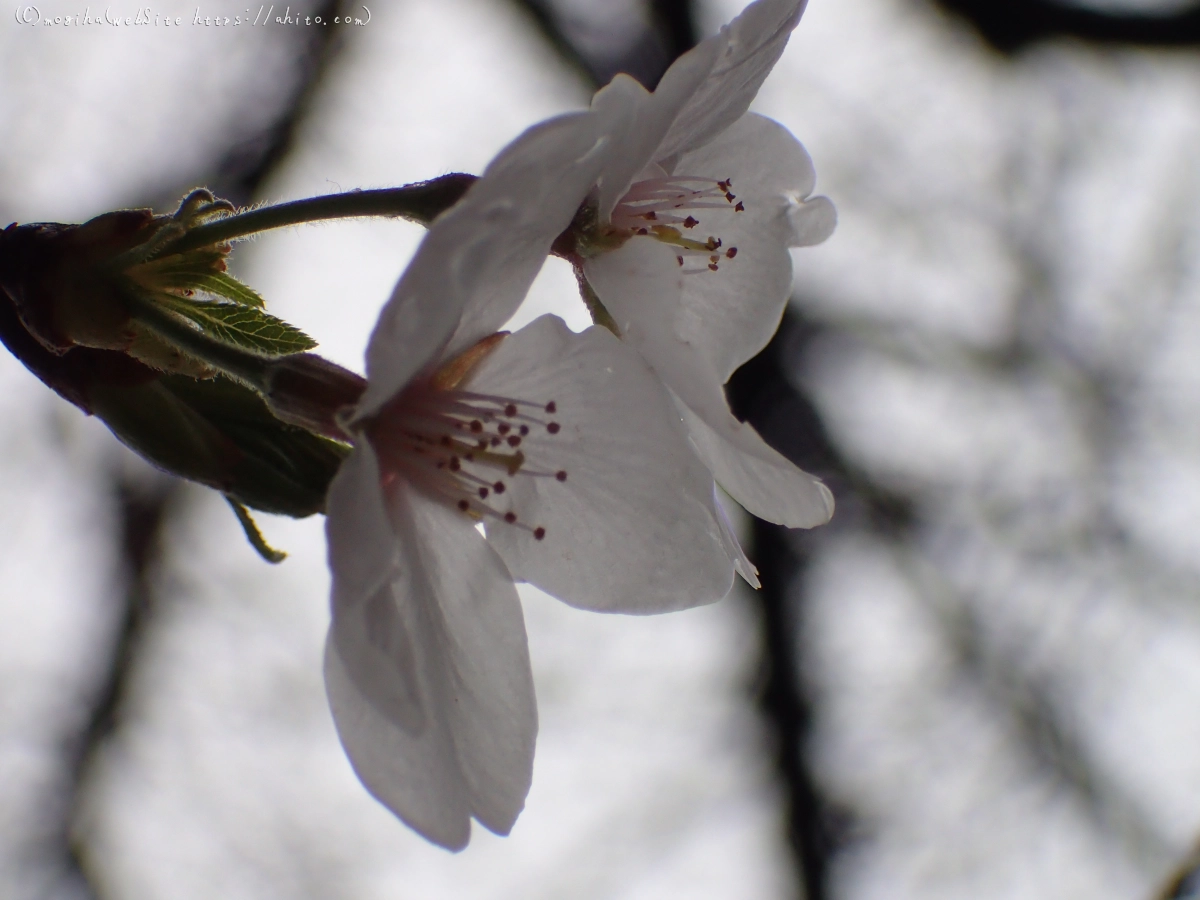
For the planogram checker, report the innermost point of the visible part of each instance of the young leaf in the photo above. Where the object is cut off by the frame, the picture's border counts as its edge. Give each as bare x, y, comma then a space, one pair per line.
236, 325
222, 284
196, 270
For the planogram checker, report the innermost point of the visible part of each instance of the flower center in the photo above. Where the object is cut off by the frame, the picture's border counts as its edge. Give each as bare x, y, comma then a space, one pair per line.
663, 208
463, 448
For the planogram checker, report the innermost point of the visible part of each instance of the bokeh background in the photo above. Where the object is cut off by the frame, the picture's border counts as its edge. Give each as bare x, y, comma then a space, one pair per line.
981, 680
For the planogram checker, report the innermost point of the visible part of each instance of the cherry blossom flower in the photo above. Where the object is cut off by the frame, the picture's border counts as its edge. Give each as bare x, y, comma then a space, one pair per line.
682, 247
483, 457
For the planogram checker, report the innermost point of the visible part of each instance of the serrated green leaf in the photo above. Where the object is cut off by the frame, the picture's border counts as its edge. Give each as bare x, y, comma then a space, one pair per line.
222, 284
236, 325
196, 270
218, 284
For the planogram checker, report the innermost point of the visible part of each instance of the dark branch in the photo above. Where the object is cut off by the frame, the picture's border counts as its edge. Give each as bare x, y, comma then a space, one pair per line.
644, 54
676, 26
142, 516
141, 513
762, 394
247, 164
1011, 25
552, 31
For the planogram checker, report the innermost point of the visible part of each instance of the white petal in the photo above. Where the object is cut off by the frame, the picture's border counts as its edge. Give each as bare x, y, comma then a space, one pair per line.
729, 315
637, 120
429, 680
741, 562
362, 547
765, 160
755, 475
633, 528
749, 47
759, 478
545, 175
664, 312
812, 220
475, 265
642, 289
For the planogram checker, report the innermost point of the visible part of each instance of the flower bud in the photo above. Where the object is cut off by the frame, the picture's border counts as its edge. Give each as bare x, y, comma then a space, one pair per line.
213, 431
309, 391
90, 285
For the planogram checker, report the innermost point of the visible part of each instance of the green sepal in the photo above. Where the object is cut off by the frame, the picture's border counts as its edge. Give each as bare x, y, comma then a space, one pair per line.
196, 270
599, 312
236, 325
222, 434
253, 535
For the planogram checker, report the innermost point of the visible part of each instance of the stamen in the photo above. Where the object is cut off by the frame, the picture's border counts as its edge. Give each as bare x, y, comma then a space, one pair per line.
673, 203
450, 443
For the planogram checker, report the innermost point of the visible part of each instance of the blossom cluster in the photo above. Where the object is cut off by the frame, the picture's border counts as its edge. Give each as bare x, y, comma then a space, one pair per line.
471, 458
583, 463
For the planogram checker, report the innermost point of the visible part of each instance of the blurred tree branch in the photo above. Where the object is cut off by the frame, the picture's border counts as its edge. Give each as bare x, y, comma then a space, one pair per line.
249, 162
650, 45
1011, 25
761, 393
1027, 694
143, 514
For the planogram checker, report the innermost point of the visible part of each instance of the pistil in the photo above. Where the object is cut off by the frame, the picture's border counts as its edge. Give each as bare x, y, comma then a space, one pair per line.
666, 207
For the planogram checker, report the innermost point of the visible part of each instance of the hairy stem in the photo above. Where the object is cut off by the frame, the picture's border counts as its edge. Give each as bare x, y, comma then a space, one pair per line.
421, 202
